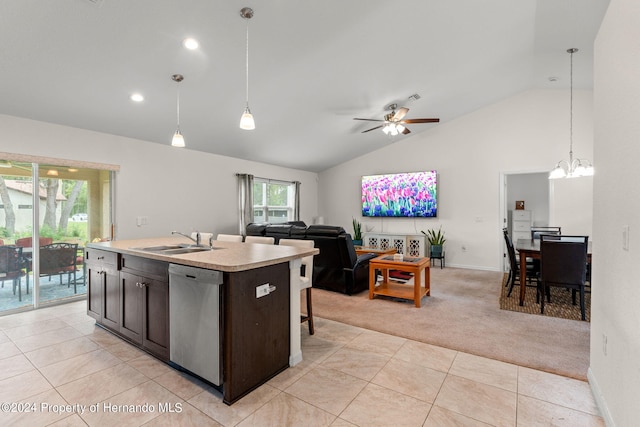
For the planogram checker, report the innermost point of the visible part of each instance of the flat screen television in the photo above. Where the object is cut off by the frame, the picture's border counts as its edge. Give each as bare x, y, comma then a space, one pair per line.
409, 194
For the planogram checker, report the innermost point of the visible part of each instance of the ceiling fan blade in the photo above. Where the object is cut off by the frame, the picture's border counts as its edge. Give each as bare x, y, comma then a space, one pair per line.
400, 114
369, 130
370, 120
420, 121
406, 131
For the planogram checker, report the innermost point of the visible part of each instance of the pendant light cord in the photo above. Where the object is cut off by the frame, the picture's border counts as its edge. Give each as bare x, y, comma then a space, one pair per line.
571, 108
247, 65
178, 104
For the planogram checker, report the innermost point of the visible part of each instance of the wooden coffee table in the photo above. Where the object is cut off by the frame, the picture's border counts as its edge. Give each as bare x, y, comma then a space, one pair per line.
367, 250
390, 288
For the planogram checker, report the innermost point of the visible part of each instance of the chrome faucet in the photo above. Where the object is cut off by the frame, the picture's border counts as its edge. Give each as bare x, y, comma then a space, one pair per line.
197, 239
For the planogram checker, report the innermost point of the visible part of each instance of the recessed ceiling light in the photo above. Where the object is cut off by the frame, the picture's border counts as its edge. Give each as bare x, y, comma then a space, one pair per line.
136, 97
190, 43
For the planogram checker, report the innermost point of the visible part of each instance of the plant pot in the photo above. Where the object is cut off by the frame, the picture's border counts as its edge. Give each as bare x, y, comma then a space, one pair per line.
357, 242
436, 251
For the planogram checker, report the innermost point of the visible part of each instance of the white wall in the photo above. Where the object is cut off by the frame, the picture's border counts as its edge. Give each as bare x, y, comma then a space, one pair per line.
533, 188
177, 189
615, 373
525, 133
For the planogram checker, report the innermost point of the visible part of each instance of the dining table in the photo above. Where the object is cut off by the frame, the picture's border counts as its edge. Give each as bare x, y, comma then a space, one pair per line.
528, 248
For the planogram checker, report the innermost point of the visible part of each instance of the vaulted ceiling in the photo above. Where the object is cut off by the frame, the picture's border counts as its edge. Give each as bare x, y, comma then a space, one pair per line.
313, 67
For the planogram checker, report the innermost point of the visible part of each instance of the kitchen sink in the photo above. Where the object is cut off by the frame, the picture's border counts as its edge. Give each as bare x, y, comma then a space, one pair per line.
185, 250
174, 249
162, 248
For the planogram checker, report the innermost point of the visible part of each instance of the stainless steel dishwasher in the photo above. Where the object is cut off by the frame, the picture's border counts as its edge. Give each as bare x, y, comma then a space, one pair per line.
194, 320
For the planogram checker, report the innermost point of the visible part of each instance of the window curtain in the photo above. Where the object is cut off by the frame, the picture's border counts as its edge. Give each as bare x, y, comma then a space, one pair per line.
245, 201
296, 203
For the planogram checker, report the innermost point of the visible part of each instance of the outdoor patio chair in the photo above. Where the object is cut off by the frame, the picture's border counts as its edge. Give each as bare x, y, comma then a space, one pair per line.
12, 267
59, 259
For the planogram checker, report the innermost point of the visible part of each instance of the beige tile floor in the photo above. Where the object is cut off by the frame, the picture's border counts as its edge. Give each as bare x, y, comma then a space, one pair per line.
54, 362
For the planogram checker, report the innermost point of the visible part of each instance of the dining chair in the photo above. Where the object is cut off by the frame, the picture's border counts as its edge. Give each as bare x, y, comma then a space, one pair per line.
537, 231
260, 239
563, 263
12, 267
514, 271
305, 277
59, 259
229, 237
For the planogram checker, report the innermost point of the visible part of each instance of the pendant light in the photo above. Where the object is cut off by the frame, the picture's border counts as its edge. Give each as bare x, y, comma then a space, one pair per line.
178, 139
246, 121
572, 168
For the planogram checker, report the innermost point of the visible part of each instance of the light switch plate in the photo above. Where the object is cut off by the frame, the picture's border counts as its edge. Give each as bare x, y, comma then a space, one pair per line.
625, 238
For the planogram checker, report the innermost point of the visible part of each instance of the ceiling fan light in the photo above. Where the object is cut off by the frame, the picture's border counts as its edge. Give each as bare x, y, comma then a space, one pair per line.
400, 128
386, 129
178, 139
246, 121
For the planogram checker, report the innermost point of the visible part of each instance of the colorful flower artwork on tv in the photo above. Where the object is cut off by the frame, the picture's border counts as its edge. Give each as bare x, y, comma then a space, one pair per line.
412, 194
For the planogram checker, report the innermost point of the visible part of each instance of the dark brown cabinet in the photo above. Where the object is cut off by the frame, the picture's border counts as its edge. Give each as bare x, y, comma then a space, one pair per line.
144, 304
256, 330
103, 294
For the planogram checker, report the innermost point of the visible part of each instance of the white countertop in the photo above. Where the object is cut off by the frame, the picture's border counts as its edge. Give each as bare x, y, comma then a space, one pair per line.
225, 256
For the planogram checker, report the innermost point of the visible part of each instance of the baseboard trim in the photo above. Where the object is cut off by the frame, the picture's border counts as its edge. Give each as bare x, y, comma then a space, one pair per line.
468, 267
599, 398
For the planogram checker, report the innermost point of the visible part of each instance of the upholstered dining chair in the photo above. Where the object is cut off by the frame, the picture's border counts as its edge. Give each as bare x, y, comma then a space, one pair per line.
260, 239
229, 237
563, 263
537, 231
305, 278
514, 271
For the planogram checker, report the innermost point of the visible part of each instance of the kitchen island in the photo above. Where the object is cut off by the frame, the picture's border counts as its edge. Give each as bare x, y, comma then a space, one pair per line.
128, 294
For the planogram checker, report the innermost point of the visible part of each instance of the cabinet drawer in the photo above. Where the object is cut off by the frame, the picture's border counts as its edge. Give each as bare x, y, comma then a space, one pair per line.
145, 266
105, 257
521, 215
521, 226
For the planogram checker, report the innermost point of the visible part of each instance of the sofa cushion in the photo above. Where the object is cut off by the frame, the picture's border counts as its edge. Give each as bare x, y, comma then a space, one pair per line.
256, 229
325, 230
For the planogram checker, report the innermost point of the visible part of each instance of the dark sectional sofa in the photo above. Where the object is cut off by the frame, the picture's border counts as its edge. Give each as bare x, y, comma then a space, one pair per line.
337, 267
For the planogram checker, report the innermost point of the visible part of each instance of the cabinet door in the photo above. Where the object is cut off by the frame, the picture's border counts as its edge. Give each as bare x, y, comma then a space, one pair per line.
155, 312
131, 306
255, 330
94, 291
111, 296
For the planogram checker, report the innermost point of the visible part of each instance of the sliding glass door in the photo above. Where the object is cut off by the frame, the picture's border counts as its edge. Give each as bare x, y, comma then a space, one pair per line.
47, 226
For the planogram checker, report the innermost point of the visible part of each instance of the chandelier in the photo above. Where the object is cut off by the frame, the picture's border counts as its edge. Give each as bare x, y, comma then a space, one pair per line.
572, 168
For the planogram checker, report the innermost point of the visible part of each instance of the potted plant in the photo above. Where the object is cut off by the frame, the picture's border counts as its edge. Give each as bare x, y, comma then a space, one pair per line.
357, 232
436, 242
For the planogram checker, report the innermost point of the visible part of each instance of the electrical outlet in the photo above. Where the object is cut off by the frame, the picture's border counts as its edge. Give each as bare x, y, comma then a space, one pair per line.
625, 238
262, 290
604, 344
142, 220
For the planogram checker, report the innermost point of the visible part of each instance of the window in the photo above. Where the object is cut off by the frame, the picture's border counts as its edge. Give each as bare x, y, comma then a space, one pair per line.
273, 201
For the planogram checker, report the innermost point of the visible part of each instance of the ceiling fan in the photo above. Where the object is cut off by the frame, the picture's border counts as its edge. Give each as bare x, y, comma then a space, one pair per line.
393, 123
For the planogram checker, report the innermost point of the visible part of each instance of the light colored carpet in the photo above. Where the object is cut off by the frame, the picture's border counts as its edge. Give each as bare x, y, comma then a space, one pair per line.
463, 314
